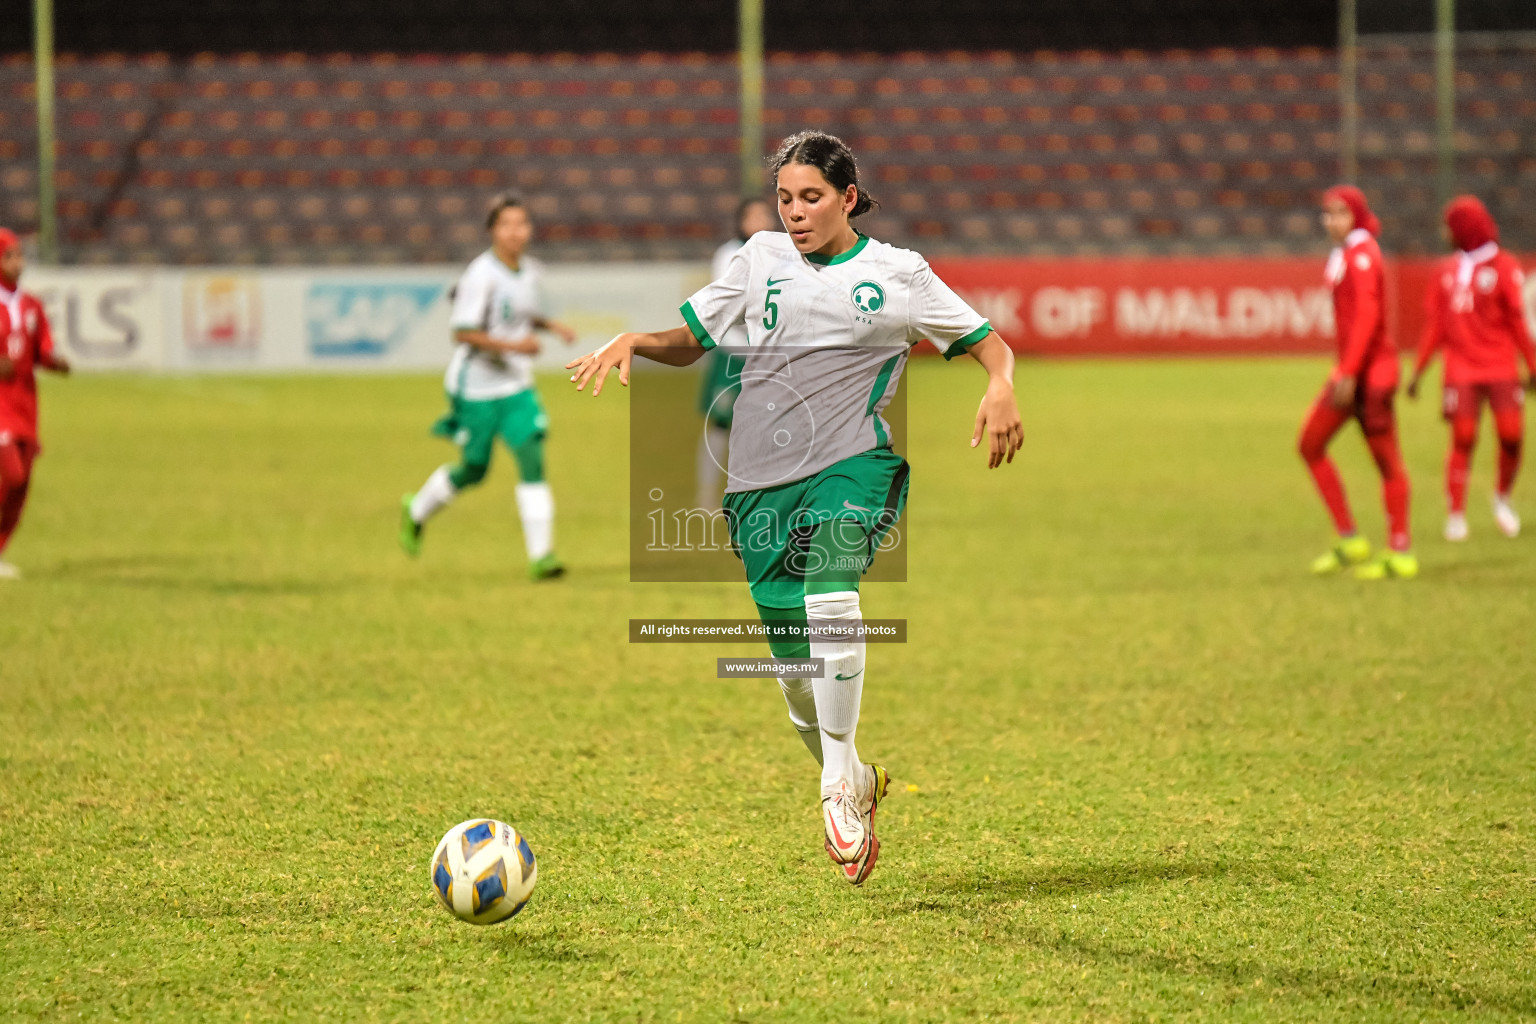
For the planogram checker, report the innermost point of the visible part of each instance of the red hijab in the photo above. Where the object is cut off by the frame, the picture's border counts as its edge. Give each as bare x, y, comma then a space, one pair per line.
1355, 199
1470, 222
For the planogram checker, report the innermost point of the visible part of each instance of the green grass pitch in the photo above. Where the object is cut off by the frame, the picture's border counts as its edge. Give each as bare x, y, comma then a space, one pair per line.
1147, 767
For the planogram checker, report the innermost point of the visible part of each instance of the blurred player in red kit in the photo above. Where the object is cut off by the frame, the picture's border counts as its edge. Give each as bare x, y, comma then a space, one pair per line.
25, 345
1361, 387
1475, 311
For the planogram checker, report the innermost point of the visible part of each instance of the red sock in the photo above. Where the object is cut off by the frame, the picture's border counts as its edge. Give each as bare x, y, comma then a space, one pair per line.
1458, 460
11, 504
1320, 427
1394, 486
1511, 428
15, 470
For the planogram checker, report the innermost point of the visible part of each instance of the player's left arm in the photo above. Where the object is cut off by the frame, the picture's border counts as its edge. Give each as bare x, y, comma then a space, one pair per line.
936, 313
998, 416
565, 332
1514, 298
47, 356
542, 321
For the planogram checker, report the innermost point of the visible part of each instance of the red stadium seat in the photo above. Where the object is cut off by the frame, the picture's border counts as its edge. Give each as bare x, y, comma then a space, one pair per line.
1163, 149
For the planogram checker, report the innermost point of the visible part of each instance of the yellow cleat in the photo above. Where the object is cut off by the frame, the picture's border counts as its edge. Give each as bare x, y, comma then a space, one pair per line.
1347, 552
1394, 565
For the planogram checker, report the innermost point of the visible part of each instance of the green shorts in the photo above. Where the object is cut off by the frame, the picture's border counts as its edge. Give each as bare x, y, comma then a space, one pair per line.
475, 425
771, 528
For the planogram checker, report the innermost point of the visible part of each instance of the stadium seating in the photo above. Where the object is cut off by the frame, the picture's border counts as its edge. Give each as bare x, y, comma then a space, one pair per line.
301, 158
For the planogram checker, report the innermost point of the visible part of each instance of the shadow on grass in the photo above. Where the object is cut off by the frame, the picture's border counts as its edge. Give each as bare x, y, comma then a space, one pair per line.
1379, 989
542, 947
980, 890
981, 886
184, 573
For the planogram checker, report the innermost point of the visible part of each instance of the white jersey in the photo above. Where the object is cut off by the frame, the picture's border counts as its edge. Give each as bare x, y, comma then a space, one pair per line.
502, 302
827, 340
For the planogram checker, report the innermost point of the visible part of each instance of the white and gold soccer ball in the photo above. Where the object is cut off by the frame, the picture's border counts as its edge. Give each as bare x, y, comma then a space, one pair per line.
483, 871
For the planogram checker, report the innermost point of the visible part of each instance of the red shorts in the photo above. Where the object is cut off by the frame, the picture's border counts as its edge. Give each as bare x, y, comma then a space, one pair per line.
1502, 396
1372, 409
16, 458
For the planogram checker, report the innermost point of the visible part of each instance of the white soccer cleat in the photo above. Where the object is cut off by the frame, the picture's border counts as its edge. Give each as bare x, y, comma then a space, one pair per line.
845, 822
9, 571
1456, 527
1507, 518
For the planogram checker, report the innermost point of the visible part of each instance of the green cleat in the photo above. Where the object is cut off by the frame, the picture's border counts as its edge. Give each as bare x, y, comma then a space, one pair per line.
1394, 565
1349, 551
410, 529
547, 568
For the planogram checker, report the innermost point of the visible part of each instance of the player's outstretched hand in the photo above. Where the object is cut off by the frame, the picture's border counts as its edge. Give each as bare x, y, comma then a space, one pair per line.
566, 332
617, 354
998, 420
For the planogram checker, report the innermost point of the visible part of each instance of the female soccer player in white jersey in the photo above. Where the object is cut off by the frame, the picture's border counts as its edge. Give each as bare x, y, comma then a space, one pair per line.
497, 305
813, 483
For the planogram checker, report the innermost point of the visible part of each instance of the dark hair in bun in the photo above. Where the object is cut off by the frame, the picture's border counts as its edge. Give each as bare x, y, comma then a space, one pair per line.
831, 156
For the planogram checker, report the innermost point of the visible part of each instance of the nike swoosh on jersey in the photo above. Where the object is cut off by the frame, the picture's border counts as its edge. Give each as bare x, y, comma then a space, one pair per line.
772, 282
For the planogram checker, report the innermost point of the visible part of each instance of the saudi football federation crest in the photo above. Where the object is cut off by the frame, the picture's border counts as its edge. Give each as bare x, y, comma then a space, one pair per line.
869, 297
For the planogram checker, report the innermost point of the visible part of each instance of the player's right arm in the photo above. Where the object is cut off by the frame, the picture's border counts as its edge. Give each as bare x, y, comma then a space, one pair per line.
708, 314
675, 347
1434, 331
1363, 273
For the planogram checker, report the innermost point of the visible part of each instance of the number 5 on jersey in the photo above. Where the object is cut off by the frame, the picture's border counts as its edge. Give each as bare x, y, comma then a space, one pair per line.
771, 309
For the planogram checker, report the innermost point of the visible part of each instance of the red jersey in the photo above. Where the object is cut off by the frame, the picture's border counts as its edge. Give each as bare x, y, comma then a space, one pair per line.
27, 342
1475, 310
1366, 352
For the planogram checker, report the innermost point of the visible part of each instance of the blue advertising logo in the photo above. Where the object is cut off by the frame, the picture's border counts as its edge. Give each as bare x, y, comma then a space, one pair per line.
364, 319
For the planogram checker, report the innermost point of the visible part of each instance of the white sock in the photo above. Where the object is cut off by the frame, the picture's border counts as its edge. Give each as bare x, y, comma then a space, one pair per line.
713, 446
536, 506
434, 495
837, 700
800, 695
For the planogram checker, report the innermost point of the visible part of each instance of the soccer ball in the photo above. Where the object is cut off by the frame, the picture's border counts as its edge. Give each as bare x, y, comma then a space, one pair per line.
483, 871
